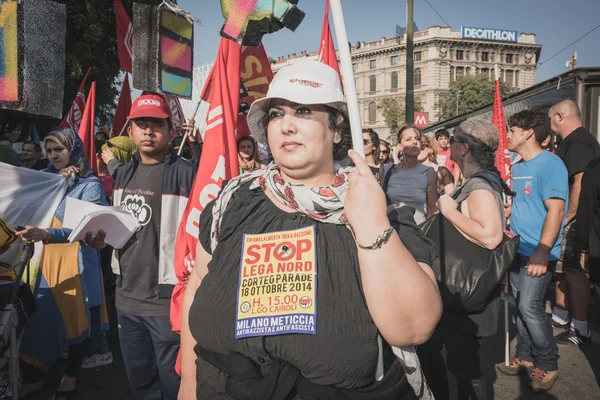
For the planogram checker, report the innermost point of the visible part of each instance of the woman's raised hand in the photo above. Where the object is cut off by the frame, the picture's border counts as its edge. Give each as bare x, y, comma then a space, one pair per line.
107, 155
365, 204
68, 172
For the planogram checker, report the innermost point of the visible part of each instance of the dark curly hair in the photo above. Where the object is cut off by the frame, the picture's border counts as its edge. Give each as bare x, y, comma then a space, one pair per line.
532, 119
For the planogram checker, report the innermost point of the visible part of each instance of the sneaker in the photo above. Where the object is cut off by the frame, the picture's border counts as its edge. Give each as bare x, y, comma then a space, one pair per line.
559, 325
515, 366
572, 337
97, 360
542, 380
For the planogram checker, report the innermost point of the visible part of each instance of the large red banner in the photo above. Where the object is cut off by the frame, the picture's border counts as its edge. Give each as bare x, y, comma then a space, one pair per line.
218, 161
73, 118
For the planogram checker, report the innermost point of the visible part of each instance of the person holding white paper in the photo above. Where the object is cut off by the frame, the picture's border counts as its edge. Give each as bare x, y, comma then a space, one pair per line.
69, 292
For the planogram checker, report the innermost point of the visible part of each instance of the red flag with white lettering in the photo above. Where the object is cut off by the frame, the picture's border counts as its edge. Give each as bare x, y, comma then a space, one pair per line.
123, 109
124, 36
87, 129
502, 154
73, 118
219, 161
326, 49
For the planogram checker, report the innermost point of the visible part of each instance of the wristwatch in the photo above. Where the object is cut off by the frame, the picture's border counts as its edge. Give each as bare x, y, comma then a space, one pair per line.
380, 241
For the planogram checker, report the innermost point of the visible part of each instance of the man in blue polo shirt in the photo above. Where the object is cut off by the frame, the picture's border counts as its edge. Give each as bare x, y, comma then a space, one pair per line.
540, 181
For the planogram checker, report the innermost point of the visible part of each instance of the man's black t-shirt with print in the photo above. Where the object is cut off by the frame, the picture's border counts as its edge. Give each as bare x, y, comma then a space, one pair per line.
577, 150
138, 293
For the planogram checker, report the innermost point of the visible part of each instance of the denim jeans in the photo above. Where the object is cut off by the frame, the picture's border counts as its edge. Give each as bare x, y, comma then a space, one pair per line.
535, 339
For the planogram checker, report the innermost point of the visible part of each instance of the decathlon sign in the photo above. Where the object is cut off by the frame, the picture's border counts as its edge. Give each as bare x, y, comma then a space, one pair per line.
489, 34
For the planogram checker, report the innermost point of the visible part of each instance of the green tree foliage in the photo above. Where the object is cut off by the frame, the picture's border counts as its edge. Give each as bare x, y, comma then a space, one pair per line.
393, 111
475, 91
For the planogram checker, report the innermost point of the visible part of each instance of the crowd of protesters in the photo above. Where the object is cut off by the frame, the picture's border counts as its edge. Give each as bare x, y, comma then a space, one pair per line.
377, 291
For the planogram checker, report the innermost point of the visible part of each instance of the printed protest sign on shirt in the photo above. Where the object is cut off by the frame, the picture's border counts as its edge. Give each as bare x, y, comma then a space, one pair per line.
277, 289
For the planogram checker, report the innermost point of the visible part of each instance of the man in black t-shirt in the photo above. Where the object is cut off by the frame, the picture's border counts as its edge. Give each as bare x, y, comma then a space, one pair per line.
155, 187
577, 148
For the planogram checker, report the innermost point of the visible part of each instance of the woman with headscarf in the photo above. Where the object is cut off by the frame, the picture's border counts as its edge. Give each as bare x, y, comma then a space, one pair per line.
68, 286
306, 292
116, 152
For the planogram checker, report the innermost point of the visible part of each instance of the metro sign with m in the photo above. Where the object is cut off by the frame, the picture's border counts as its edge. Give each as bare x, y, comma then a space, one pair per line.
421, 119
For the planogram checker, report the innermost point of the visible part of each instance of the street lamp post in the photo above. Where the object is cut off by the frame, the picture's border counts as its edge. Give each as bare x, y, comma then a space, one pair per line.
458, 92
410, 64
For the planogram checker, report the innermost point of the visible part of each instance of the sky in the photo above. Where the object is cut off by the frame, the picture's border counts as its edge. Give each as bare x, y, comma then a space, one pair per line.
556, 24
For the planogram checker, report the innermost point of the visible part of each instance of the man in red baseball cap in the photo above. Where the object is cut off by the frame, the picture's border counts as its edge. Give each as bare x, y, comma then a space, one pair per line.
155, 187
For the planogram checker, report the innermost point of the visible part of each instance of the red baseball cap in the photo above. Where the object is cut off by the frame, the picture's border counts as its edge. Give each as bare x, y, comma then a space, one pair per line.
150, 106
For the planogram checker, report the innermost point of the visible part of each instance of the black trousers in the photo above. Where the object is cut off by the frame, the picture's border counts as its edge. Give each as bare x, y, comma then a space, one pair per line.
150, 349
462, 360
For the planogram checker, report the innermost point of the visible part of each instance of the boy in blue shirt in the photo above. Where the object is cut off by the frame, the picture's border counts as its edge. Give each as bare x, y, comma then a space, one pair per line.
540, 181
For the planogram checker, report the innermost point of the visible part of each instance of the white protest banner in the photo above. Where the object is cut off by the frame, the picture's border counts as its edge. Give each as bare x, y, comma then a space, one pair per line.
28, 197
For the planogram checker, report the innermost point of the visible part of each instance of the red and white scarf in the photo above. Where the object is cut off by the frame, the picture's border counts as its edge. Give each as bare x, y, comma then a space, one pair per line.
323, 204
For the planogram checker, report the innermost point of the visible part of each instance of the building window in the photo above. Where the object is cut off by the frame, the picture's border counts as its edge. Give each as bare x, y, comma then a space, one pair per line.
394, 80
509, 58
460, 71
517, 73
372, 112
394, 60
373, 64
418, 77
372, 84
485, 56
417, 56
485, 71
460, 54
509, 77
452, 77
354, 68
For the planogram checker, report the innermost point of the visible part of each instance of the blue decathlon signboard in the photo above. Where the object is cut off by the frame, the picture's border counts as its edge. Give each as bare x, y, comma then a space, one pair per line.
502, 35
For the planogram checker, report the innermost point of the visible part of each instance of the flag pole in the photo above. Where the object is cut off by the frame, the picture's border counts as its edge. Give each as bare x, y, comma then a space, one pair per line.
347, 76
506, 281
185, 136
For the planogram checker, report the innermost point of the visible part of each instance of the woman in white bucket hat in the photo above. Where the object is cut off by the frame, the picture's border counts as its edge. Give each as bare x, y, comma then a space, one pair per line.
286, 302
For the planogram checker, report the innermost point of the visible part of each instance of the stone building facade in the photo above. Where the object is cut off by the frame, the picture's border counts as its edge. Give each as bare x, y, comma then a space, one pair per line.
441, 55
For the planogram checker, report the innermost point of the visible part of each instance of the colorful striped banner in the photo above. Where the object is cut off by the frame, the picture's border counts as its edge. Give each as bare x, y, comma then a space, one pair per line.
9, 52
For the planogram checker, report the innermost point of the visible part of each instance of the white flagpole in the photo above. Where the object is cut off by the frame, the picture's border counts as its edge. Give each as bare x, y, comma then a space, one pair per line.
347, 76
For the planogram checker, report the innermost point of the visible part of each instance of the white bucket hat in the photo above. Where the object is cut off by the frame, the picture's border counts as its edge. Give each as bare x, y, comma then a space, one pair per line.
303, 82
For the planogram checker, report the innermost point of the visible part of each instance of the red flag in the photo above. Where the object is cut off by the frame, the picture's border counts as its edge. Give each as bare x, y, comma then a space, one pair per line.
88, 128
326, 49
123, 109
124, 36
177, 116
73, 118
219, 161
502, 154
256, 76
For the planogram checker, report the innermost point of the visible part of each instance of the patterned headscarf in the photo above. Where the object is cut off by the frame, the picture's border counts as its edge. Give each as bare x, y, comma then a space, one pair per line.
77, 157
122, 147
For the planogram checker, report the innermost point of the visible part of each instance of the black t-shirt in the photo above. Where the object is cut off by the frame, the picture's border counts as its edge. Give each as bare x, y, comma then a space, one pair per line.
41, 164
138, 293
344, 351
577, 150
